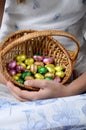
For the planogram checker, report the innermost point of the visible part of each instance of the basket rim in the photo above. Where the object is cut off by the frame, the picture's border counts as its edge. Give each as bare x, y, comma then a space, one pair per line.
14, 34
36, 33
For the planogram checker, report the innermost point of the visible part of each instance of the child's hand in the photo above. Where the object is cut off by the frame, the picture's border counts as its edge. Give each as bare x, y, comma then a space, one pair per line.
48, 89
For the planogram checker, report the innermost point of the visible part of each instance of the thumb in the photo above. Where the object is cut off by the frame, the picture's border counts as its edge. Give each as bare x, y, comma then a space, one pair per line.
35, 83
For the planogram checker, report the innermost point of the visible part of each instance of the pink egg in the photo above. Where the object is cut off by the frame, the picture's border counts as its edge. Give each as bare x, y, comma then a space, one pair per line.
57, 79
48, 60
38, 58
12, 72
20, 68
12, 64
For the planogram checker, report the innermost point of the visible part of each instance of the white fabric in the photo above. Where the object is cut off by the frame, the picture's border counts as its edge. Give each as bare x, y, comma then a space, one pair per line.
85, 35
53, 114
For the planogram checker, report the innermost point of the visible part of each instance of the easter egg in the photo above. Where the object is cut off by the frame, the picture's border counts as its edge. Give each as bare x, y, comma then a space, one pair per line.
39, 76
20, 68
48, 60
50, 75
50, 65
18, 74
22, 64
11, 64
38, 58
51, 69
33, 68
21, 57
60, 74
12, 72
29, 61
20, 81
29, 78
57, 79
15, 77
39, 64
59, 68
42, 70
48, 78
28, 67
19, 62
24, 74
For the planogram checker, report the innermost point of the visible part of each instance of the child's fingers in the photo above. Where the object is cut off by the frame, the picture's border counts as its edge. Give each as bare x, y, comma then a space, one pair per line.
24, 94
10, 87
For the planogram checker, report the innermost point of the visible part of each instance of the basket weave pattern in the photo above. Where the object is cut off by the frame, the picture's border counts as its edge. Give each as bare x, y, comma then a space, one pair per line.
31, 42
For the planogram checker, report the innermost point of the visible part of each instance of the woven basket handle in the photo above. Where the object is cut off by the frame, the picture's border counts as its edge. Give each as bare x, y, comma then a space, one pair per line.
45, 33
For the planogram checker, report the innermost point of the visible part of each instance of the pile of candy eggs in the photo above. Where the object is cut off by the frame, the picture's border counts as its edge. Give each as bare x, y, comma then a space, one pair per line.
38, 67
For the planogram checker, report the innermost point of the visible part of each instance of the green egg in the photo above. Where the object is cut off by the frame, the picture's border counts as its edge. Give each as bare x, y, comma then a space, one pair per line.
24, 74
42, 70
48, 78
20, 81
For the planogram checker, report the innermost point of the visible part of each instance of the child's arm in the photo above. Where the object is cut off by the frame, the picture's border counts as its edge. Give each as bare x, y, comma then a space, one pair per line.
78, 86
49, 89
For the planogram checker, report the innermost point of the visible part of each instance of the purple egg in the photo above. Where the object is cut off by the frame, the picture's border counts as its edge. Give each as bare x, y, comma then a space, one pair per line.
57, 79
12, 64
12, 72
20, 68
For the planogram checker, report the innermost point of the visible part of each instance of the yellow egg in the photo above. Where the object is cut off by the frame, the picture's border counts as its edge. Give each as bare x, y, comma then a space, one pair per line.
18, 74
39, 76
28, 67
19, 62
29, 61
15, 77
60, 74
51, 69
22, 64
21, 57
50, 65
59, 68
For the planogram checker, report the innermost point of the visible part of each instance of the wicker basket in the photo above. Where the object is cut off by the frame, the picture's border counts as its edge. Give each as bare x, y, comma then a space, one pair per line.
30, 42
